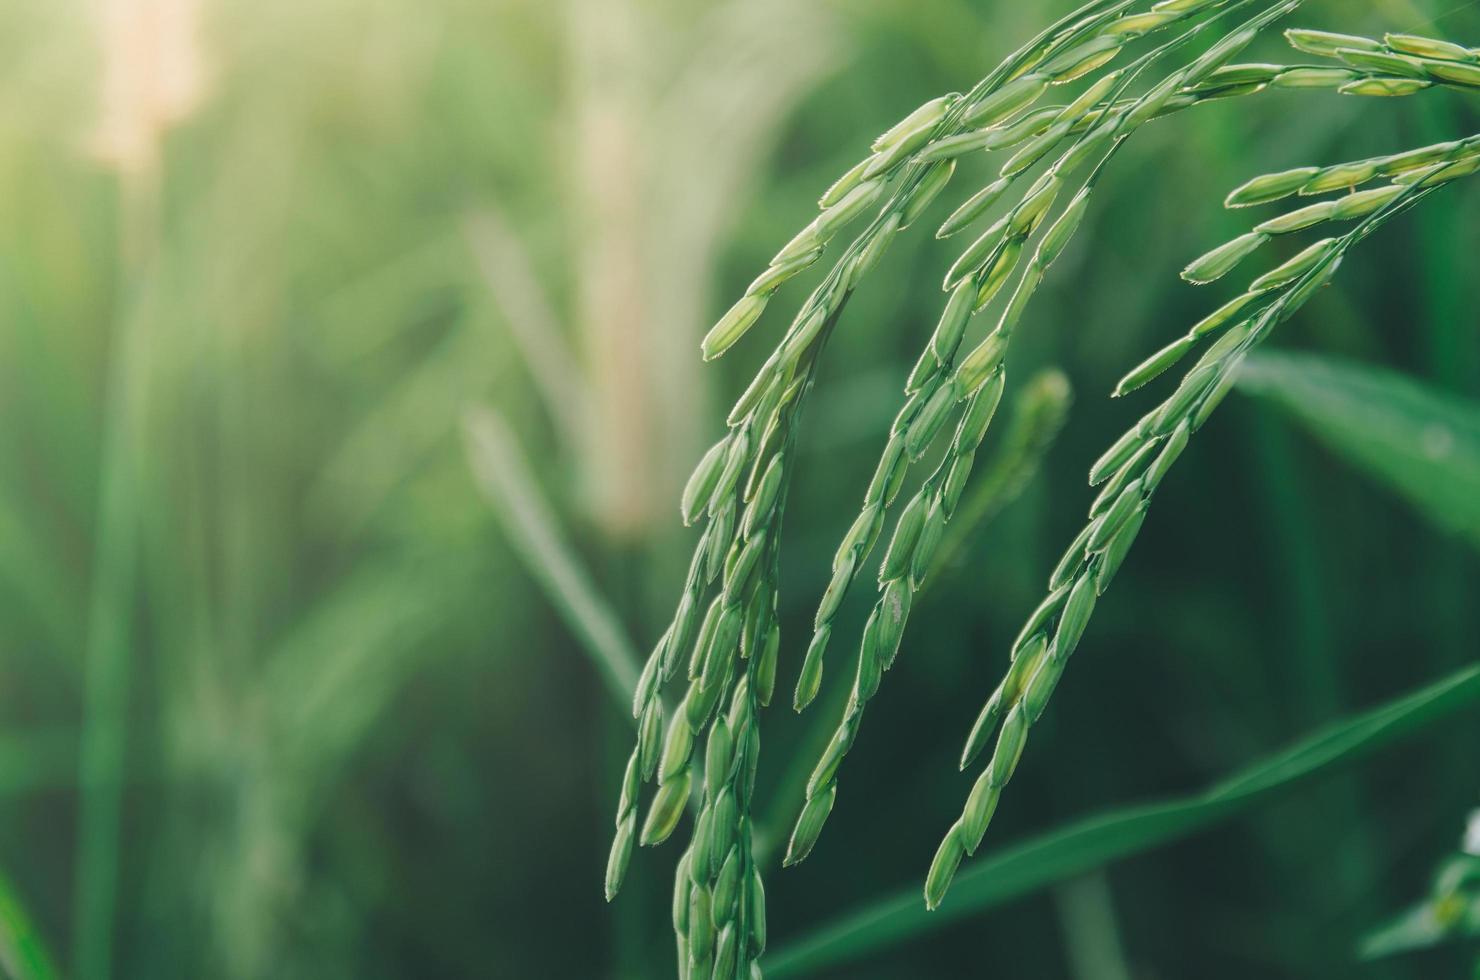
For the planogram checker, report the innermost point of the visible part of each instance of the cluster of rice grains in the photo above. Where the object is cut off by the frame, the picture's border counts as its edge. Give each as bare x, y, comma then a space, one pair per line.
724, 634
1131, 469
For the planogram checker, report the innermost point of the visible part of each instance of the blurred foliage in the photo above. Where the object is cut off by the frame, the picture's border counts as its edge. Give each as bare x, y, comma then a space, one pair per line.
249, 289
1450, 913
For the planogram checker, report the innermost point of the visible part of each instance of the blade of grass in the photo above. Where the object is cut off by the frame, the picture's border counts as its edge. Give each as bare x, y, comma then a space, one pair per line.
515, 289
1098, 840
114, 587
506, 482
23, 952
1421, 442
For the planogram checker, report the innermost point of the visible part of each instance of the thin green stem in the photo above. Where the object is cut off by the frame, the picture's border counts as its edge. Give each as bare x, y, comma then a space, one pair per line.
507, 484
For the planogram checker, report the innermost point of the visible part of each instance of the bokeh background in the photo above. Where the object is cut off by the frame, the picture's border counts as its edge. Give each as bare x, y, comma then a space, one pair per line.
285, 687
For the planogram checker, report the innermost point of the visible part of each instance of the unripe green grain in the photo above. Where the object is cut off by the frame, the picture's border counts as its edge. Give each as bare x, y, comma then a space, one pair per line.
775, 275
1037, 148
676, 747
902, 542
975, 207
1119, 547
1221, 260
1041, 685
1074, 556
928, 542
1384, 87
700, 485
889, 473
980, 806
1311, 214
1112, 487
1154, 365
666, 809
943, 867
700, 700
1427, 47
925, 116
1040, 617
1115, 517
922, 431
765, 671
979, 412
870, 663
726, 951
650, 738
956, 477
1343, 176
1329, 78
738, 576
976, 254
1467, 75
1010, 743
809, 825
722, 646
986, 358
733, 325
681, 885
1080, 61
1185, 398
717, 757
620, 856
1325, 44
810, 679
1297, 266
757, 913
1365, 202
1063, 229
719, 540
1384, 62
1077, 610
701, 923
854, 203
1168, 456
824, 773
1270, 187
837, 588
893, 612
1007, 100
726, 887
1114, 458
928, 190
1024, 218
983, 728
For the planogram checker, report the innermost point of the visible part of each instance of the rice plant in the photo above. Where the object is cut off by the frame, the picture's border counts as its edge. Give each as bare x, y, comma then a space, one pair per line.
1120, 66
348, 379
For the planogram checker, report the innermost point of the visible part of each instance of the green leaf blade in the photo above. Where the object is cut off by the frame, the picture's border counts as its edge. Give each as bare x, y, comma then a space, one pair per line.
1420, 442
1095, 841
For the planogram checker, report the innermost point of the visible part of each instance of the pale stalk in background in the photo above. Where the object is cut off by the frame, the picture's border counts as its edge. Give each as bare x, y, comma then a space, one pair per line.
151, 80
1086, 909
611, 300
657, 183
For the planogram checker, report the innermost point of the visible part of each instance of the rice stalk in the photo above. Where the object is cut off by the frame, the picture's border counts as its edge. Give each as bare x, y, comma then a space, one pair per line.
711, 938
724, 631
1131, 471
761, 420
938, 383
